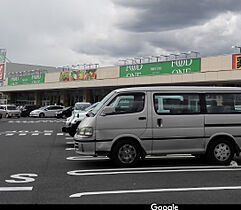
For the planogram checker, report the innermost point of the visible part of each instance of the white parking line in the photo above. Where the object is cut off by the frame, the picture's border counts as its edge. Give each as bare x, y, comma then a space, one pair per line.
190, 189
96, 172
69, 138
84, 158
70, 149
11, 189
9, 134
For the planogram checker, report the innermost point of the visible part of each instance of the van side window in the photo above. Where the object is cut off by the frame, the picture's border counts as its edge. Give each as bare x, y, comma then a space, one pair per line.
223, 103
128, 103
177, 104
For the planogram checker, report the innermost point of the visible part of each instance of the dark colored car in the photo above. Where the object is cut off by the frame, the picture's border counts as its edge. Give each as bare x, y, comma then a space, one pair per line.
66, 112
28, 108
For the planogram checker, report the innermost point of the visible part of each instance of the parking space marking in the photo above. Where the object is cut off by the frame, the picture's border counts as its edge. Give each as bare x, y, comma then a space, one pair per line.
96, 172
9, 134
161, 190
32, 133
70, 149
84, 158
69, 138
14, 189
37, 121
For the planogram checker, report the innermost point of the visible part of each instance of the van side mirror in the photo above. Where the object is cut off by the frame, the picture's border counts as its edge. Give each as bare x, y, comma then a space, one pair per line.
108, 110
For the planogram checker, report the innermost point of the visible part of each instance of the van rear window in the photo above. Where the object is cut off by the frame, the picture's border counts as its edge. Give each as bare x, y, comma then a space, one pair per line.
223, 103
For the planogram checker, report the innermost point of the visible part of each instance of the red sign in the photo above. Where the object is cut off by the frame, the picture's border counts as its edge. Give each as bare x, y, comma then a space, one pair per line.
1, 71
237, 61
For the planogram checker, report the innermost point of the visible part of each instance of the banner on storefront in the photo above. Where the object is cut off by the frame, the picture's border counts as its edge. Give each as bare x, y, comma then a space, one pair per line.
78, 75
169, 67
237, 61
28, 79
1, 71
3, 55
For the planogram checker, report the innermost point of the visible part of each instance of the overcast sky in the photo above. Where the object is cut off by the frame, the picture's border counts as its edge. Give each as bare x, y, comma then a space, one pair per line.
69, 32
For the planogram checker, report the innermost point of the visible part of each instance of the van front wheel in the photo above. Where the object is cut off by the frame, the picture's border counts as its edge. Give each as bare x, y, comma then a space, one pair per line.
221, 152
126, 153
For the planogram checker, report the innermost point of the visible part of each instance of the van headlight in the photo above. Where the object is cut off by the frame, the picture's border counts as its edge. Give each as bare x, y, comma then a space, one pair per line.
85, 131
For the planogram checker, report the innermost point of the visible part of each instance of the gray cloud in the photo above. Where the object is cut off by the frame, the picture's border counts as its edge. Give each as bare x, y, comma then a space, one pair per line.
54, 32
161, 15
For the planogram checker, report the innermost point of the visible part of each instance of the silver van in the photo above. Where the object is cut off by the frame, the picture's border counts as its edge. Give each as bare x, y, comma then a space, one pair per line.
131, 123
9, 110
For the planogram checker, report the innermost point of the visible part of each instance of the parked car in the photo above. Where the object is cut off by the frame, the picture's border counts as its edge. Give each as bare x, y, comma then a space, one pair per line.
81, 106
46, 111
73, 124
78, 108
66, 112
25, 110
9, 110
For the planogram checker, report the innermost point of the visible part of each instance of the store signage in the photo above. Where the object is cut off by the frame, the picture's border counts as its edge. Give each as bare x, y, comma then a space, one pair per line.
169, 67
2, 55
1, 71
237, 61
78, 75
28, 79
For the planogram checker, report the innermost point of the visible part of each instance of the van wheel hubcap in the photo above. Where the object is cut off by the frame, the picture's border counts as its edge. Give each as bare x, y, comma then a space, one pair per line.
127, 154
222, 152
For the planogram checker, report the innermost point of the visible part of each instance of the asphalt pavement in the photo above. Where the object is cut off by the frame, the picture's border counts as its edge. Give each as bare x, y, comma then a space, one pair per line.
38, 165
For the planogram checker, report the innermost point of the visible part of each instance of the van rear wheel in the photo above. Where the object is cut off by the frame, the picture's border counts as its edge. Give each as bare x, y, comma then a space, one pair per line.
126, 153
221, 152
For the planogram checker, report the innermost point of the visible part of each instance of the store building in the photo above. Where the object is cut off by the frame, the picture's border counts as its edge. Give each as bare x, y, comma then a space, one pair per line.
50, 85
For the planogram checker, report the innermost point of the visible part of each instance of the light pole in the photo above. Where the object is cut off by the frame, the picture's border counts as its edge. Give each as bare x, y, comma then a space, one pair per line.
237, 47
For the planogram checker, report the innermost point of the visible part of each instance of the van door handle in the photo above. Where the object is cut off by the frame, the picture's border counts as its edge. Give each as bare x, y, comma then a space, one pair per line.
142, 118
159, 123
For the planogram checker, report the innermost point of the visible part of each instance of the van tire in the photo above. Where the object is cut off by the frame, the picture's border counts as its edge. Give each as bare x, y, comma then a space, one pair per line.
126, 153
220, 151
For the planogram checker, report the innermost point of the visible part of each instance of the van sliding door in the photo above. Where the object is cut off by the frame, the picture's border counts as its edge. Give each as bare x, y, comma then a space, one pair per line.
178, 125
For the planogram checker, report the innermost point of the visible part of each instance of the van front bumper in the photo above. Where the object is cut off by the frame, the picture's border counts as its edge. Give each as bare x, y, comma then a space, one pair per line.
92, 147
85, 148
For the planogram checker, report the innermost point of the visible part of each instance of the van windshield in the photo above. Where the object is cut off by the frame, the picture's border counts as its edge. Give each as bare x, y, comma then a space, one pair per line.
102, 102
81, 106
11, 107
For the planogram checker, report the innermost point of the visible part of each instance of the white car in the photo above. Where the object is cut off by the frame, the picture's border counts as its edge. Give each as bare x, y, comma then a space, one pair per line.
46, 111
79, 107
9, 110
74, 121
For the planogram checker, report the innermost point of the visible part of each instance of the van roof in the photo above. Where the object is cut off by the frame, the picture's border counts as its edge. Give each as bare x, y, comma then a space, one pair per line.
181, 89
